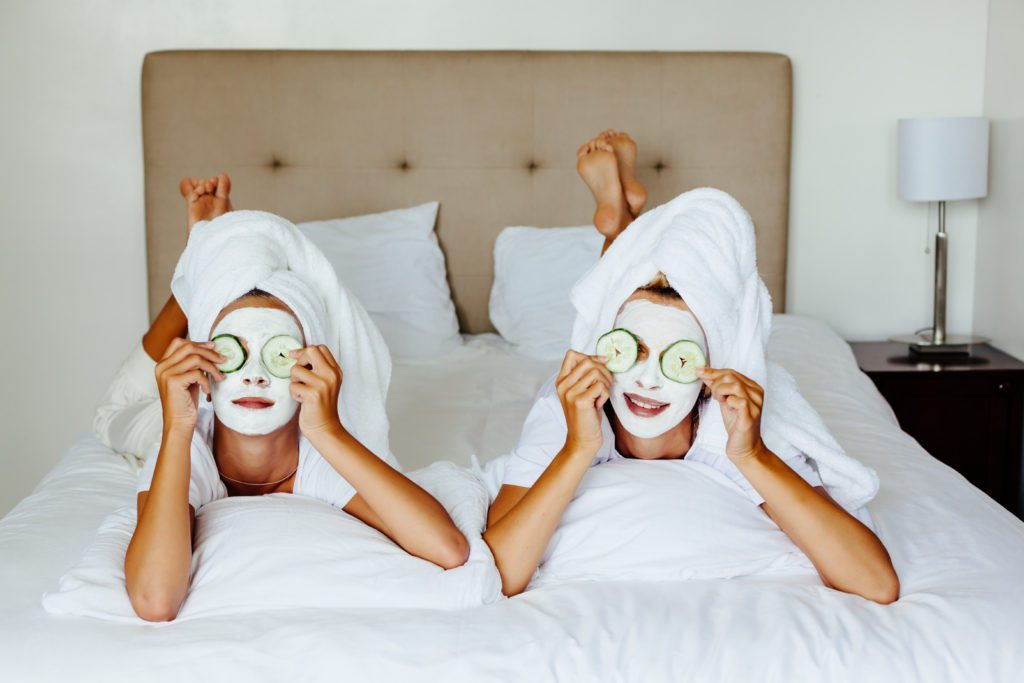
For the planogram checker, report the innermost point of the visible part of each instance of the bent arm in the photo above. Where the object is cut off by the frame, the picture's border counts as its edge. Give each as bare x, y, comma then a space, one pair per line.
159, 557
391, 503
522, 520
847, 555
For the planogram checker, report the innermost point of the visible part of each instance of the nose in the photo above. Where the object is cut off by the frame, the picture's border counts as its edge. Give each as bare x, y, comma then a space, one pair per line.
255, 379
650, 375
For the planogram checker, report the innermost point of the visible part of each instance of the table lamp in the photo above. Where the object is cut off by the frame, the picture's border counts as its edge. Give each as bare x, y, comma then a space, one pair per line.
941, 160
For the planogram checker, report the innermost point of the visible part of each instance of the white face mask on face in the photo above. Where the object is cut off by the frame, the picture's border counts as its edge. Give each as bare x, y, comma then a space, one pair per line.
254, 326
647, 403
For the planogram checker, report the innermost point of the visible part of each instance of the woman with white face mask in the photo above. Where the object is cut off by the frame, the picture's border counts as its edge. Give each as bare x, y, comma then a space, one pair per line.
587, 415
274, 427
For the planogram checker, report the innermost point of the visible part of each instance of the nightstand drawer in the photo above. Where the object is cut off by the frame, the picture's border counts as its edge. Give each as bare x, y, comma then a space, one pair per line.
968, 412
969, 431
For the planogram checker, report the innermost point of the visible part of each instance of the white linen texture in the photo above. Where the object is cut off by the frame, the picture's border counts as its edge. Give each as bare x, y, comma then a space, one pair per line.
393, 264
284, 551
664, 520
534, 271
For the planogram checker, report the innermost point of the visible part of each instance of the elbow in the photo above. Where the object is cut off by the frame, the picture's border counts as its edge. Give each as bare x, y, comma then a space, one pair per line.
884, 590
155, 605
510, 589
510, 585
453, 551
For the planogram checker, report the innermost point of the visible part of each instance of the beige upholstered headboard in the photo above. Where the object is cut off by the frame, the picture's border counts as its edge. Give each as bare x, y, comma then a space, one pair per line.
491, 135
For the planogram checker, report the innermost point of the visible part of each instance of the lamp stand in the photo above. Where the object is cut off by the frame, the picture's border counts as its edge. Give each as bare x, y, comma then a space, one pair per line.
937, 341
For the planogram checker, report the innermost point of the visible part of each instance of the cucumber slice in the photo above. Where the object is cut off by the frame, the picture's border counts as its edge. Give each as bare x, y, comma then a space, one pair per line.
679, 362
620, 347
275, 355
228, 346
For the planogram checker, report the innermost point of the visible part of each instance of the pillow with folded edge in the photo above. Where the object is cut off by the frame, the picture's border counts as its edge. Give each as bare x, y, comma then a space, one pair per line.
393, 263
534, 271
665, 520
283, 551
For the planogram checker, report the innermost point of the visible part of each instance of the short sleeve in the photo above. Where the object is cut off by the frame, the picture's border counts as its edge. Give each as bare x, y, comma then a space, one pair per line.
318, 479
204, 484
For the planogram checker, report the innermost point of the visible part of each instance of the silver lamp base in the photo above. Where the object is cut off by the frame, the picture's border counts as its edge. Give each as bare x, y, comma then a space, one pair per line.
924, 343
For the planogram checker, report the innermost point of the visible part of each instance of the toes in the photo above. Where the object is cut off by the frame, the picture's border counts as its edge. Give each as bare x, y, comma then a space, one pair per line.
223, 186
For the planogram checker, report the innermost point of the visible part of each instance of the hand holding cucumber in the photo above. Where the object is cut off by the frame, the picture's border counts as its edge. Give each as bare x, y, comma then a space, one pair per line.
180, 374
740, 399
583, 386
316, 383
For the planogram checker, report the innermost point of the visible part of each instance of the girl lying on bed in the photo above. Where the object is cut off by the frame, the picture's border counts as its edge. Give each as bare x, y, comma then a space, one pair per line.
256, 409
645, 397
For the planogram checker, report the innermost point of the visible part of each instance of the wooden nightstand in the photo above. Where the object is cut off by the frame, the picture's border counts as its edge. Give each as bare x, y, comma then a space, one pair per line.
967, 411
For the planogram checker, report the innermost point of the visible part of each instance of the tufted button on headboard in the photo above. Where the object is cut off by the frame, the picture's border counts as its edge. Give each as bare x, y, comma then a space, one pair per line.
491, 135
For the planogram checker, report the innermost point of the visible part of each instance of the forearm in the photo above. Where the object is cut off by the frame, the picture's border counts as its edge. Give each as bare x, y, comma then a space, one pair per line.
519, 537
159, 556
169, 323
411, 517
846, 553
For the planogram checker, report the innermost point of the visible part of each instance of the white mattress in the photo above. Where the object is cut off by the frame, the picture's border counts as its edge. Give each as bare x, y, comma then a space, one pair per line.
960, 557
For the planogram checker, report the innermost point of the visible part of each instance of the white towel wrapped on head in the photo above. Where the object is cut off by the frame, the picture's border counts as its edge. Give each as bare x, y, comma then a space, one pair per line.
703, 241
244, 250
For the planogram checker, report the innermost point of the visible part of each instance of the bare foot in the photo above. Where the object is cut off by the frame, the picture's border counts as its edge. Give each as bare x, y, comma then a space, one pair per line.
205, 198
625, 153
596, 164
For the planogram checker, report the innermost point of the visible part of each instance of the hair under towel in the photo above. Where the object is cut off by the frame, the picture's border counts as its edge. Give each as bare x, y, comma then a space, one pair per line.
244, 250
703, 241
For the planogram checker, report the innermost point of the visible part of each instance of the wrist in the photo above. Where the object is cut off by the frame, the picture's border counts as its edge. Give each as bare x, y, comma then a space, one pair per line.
576, 449
758, 456
178, 430
334, 432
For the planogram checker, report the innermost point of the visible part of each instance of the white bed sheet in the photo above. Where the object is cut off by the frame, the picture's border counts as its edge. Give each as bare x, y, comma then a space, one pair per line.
960, 557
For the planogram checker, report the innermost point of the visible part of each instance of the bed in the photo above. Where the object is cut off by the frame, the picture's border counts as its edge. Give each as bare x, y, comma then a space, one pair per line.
960, 555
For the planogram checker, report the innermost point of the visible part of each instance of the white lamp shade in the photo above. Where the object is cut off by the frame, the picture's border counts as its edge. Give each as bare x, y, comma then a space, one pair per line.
943, 159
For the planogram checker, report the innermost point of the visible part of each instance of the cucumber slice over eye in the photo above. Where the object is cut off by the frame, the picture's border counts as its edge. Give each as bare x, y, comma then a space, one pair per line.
679, 362
620, 347
228, 346
275, 355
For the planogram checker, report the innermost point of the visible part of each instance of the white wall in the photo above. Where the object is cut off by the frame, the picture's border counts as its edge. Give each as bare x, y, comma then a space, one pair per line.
999, 288
73, 285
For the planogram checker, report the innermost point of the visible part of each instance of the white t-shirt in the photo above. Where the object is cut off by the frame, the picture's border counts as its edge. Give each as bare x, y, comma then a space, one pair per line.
544, 435
315, 478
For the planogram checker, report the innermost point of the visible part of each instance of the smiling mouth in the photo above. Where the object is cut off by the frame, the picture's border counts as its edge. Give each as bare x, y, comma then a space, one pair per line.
644, 407
253, 402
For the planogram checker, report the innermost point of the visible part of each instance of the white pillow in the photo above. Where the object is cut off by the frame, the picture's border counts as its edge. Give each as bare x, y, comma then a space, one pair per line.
393, 264
534, 271
664, 520
283, 551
